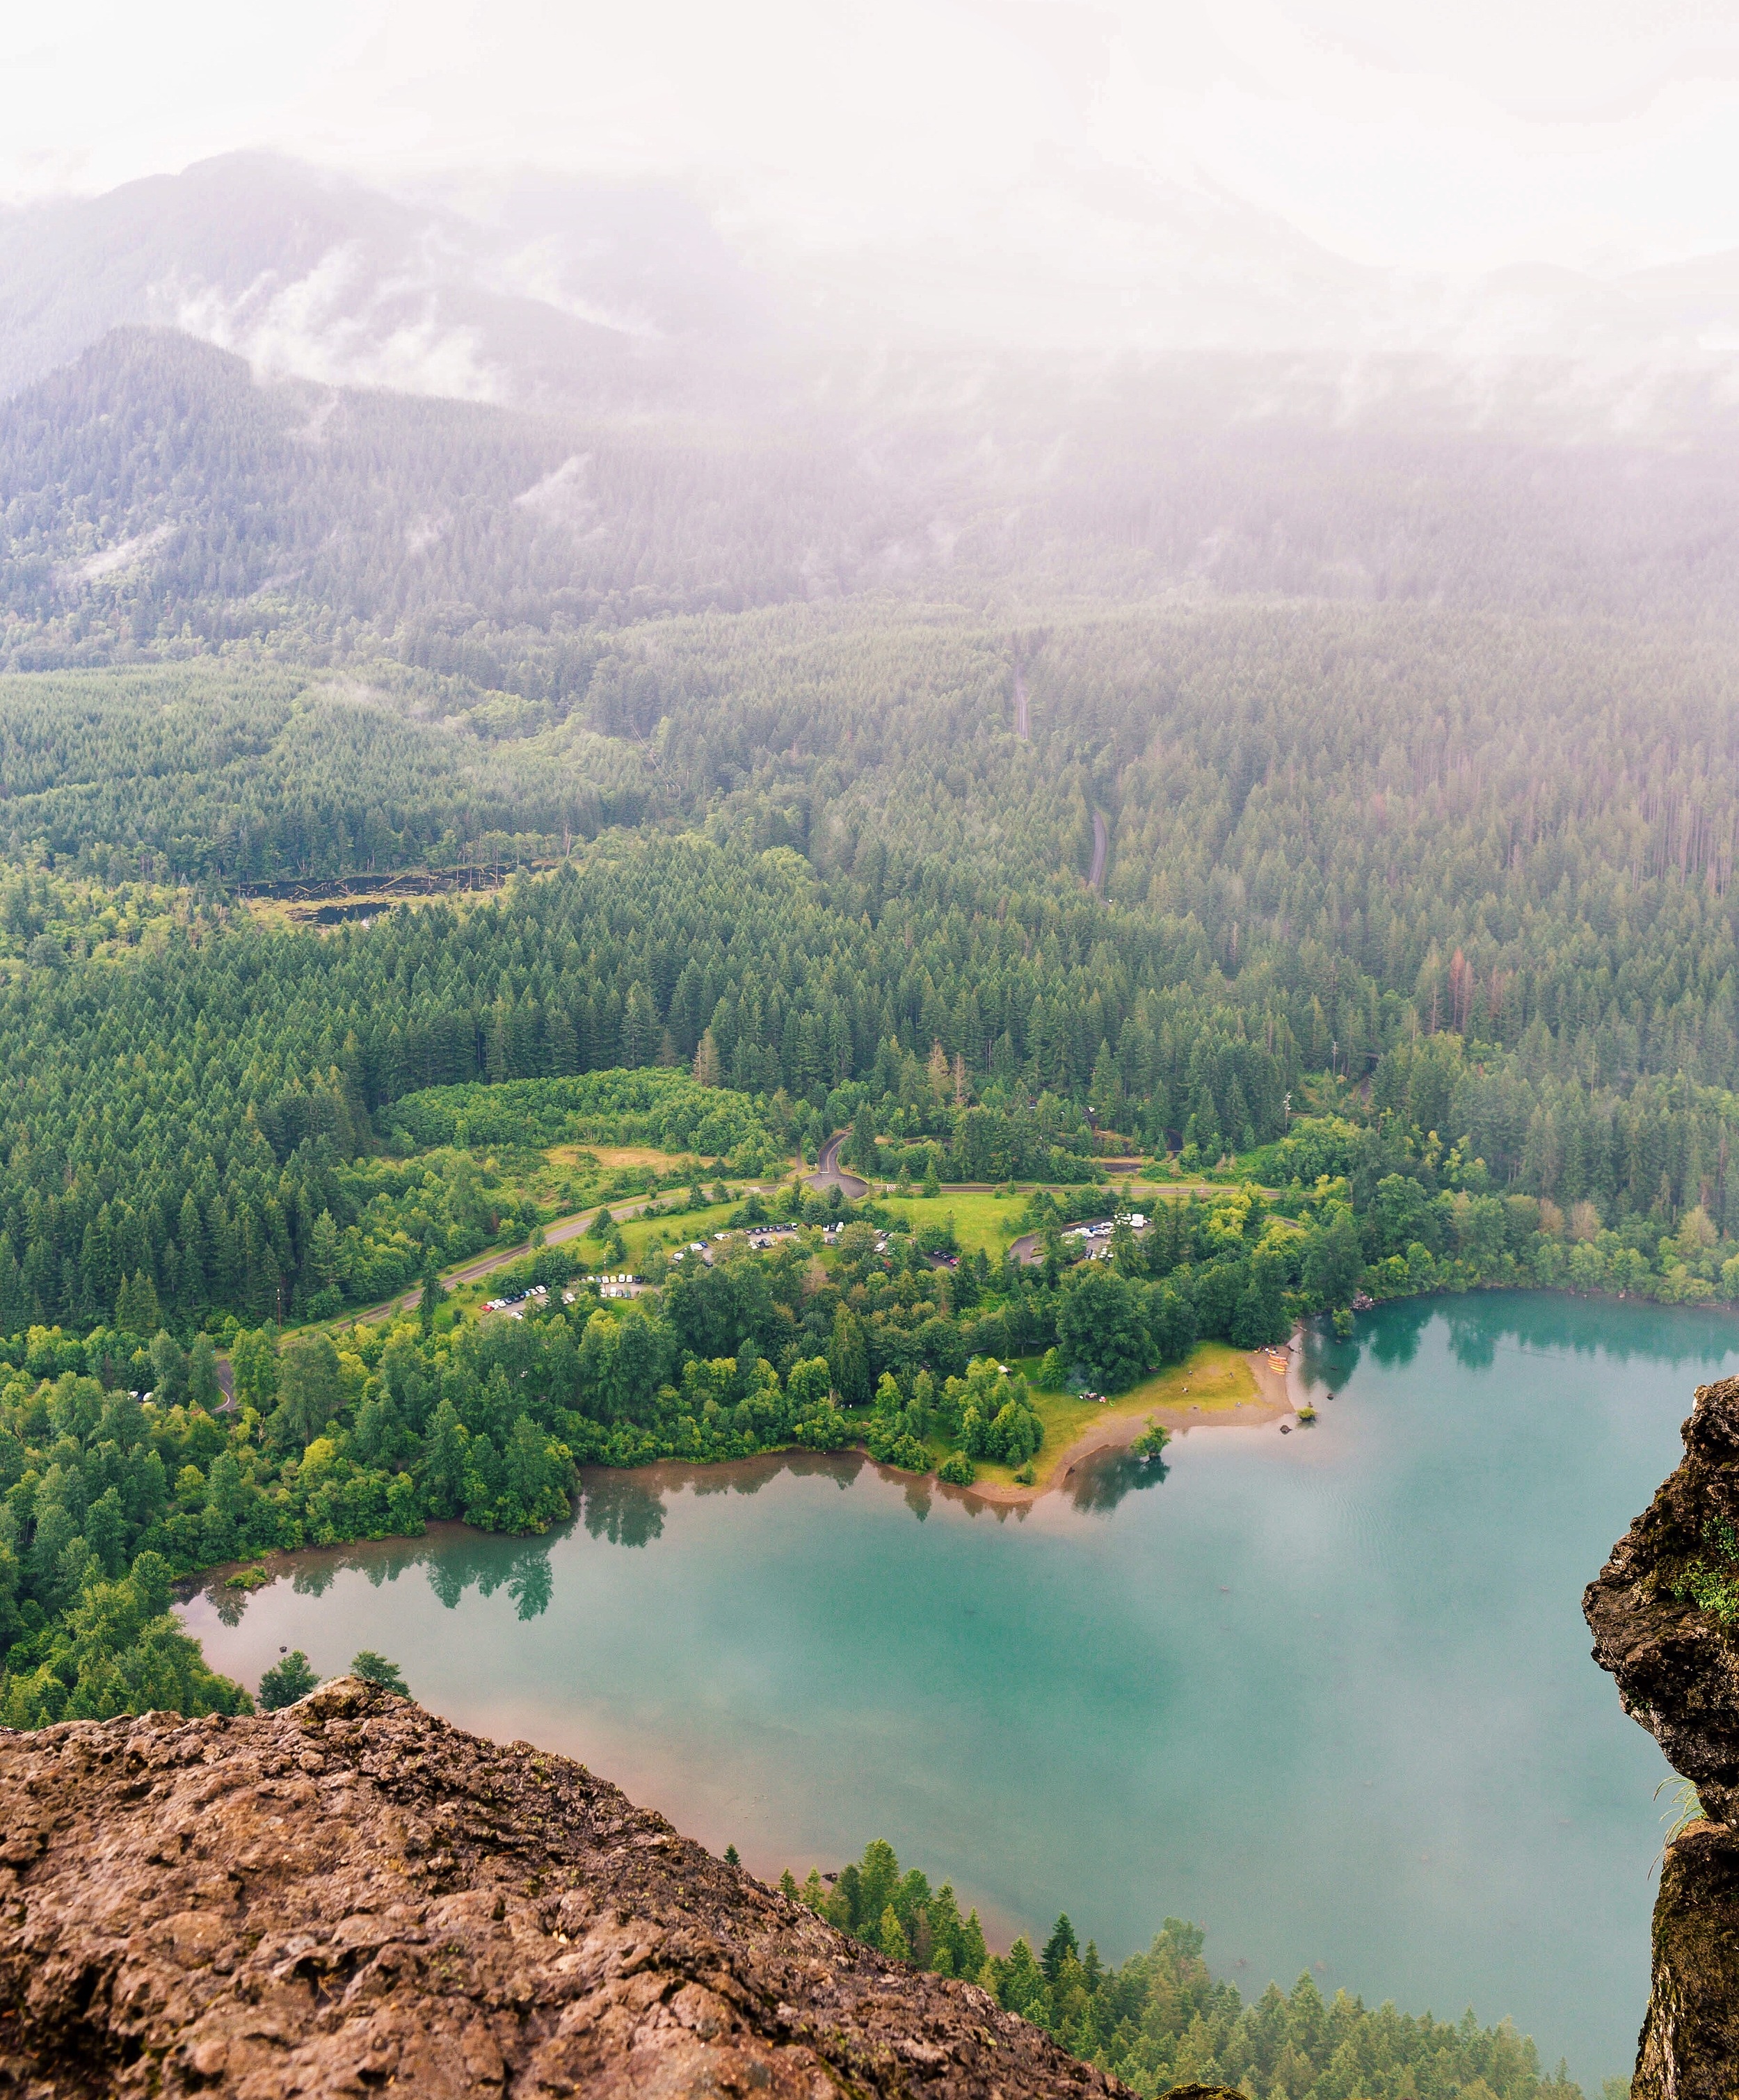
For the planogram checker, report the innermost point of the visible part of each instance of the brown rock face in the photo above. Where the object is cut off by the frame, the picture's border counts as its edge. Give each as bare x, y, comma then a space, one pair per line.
351, 1897
1677, 1670
1690, 2044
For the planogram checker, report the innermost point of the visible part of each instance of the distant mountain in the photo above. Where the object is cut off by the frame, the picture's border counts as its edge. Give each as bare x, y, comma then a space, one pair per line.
154, 494
541, 294
624, 301
156, 497
257, 401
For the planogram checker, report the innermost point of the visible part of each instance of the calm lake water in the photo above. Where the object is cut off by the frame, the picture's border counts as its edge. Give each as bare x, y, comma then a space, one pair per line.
1328, 1694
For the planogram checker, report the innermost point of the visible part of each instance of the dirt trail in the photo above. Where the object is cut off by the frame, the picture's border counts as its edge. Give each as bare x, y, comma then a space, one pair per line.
1101, 848
1022, 722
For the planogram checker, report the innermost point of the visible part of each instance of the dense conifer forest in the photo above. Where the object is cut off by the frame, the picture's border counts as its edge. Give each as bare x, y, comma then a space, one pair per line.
1160, 2020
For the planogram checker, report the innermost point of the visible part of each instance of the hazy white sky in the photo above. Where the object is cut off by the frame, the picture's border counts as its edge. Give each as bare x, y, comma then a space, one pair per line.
1439, 134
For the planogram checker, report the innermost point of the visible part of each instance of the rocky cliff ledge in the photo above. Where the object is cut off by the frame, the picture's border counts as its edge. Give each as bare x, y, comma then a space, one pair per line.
1665, 1614
351, 1897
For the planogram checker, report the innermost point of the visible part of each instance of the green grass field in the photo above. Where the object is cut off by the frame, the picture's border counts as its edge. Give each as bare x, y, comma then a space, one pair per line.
980, 1220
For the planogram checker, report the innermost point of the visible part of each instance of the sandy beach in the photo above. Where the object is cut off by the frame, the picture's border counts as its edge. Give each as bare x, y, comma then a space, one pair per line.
1278, 1395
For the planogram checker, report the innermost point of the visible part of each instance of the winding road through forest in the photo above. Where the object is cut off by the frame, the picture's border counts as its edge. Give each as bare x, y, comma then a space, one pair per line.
1101, 848
1022, 723
829, 1174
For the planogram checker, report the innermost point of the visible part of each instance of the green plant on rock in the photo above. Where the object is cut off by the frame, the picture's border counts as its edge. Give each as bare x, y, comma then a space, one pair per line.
1712, 1585
1684, 1807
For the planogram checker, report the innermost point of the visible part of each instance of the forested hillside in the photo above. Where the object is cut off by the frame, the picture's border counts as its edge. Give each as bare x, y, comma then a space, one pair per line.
1332, 841
156, 499
1159, 2020
243, 774
153, 497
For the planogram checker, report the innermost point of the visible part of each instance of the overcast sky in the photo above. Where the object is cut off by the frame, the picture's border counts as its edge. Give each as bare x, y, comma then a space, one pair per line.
1442, 134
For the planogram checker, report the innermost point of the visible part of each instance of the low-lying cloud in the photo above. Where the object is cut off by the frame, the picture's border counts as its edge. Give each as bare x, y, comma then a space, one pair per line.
341, 324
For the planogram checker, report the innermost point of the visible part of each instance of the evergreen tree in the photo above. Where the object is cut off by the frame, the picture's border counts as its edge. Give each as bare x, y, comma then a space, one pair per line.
1062, 1943
203, 1389
286, 1681
445, 1463
309, 1393
433, 1295
848, 1359
379, 1670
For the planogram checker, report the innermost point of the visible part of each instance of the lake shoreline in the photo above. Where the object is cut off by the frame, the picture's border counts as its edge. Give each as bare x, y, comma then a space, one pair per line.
1279, 1396
1274, 1403
796, 1654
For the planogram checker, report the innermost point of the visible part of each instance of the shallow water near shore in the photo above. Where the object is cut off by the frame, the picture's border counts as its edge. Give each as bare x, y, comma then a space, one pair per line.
1329, 1694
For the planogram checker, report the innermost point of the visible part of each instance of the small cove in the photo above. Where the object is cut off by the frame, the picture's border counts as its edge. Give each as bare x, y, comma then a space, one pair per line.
1328, 1694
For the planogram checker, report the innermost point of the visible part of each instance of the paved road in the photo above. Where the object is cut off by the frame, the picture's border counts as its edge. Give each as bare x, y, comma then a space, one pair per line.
1023, 724
829, 1174
1101, 847
563, 1228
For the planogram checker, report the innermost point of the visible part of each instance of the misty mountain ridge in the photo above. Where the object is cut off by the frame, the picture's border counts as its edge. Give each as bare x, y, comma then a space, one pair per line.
624, 301
260, 403
588, 293
156, 498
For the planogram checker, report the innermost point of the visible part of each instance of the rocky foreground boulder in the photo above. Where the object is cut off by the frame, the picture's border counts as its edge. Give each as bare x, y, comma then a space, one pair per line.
353, 1897
1664, 1615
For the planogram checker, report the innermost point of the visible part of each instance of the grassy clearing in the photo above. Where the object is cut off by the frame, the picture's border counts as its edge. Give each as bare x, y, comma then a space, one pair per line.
361, 901
621, 1158
980, 1219
678, 1231
1217, 1378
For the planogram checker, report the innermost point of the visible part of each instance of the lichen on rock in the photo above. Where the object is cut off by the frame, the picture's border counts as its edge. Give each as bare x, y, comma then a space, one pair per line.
1659, 1611
353, 1896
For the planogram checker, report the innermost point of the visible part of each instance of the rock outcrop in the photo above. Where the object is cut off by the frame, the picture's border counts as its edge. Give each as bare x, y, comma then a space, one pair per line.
1660, 1613
351, 1897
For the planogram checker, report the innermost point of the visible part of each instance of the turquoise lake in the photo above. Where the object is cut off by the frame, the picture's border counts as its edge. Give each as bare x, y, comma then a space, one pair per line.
1327, 1694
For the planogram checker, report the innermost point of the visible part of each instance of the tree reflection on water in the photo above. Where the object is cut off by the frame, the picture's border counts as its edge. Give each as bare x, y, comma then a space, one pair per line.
457, 1559
625, 1509
1099, 1481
